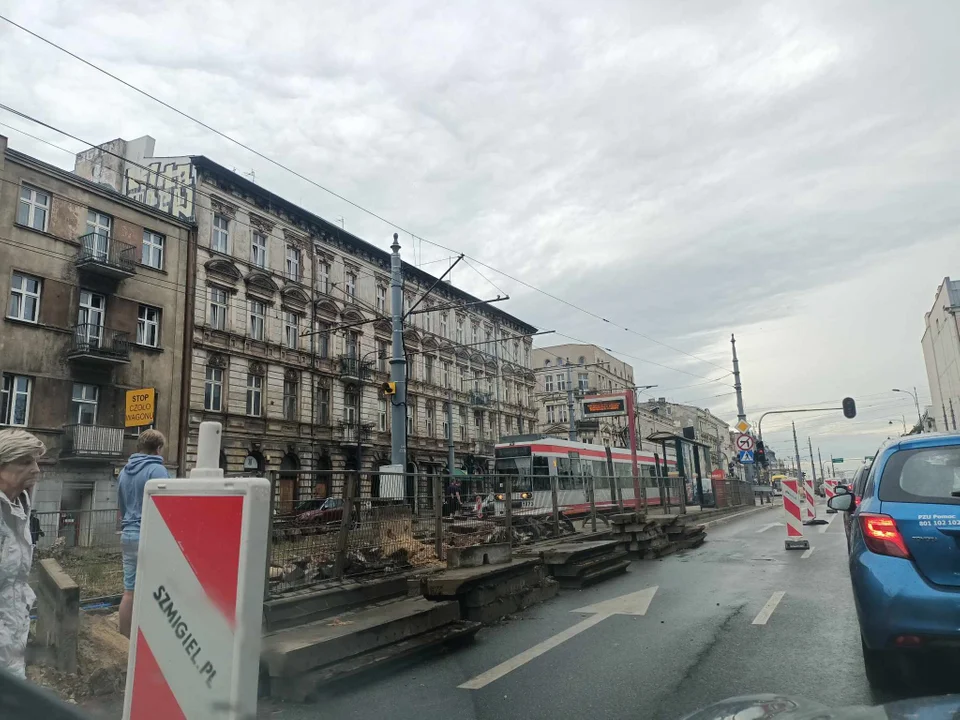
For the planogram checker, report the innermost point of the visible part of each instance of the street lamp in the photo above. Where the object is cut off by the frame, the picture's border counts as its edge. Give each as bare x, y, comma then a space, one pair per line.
915, 402
902, 420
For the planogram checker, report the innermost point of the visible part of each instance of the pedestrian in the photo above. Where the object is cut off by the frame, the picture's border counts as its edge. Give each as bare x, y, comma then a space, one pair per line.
36, 532
147, 464
19, 472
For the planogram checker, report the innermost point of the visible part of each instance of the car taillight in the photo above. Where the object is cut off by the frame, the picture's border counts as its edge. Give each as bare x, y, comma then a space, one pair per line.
881, 535
856, 501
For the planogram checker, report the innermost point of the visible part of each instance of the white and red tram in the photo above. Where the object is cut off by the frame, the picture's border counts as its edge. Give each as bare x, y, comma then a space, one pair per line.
532, 465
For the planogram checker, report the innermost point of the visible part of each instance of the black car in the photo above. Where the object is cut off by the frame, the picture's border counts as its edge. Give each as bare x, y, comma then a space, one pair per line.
855, 486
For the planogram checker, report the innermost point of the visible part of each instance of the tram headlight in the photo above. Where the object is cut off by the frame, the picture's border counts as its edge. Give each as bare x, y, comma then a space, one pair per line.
526, 495
500, 496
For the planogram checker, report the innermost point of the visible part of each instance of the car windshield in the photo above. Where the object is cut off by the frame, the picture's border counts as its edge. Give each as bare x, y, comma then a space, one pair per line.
922, 475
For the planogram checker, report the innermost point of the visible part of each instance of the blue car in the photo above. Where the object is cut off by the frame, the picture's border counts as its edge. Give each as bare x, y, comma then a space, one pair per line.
905, 554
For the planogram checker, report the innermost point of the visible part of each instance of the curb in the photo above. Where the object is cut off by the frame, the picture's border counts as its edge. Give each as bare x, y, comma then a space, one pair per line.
734, 516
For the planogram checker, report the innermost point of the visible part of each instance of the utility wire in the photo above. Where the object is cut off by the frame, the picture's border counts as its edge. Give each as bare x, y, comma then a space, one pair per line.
337, 195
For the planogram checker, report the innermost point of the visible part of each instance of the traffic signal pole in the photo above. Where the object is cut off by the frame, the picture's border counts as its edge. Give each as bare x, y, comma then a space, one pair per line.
813, 465
796, 449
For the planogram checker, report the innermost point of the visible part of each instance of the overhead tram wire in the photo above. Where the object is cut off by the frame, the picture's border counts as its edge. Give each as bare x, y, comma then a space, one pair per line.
337, 195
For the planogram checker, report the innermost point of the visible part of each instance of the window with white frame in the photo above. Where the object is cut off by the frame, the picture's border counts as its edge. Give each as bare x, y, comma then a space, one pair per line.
428, 369
351, 284
411, 416
460, 330
427, 319
583, 381
15, 400
506, 392
254, 395
148, 326
561, 382
474, 335
218, 309
293, 263
98, 223
323, 277
548, 383
443, 324
508, 424
33, 208
381, 299
446, 374
351, 398
462, 373
258, 249
151, 253
476, 380
84, 403
291, 329
446, 425
383, 355
382, 415
478, 423
323, 405
431, 418
516, 351
213, 389
488, 342
551, 414
463, 423
562, 413
258, 316
323, 339
290, 391
220, 241
24, 298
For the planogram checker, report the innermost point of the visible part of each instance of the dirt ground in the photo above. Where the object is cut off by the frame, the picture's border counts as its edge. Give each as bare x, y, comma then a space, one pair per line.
102, 662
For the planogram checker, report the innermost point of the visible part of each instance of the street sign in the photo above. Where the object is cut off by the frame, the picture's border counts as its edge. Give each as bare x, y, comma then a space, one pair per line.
140, 408
195, 642
604, 406
836, 460
742, 426
746, 456
745, 442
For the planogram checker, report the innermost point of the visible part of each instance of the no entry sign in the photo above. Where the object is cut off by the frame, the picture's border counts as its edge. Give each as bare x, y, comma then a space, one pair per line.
195, 643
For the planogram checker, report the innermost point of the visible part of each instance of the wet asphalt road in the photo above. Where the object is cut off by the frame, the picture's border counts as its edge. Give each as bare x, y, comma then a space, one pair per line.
696, 645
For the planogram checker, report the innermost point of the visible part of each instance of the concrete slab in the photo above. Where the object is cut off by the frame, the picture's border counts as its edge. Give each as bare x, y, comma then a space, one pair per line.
574, 552
589, 564
307, 647
453, 583
477, 555
512, 585
596, 575
307, 607
505, 606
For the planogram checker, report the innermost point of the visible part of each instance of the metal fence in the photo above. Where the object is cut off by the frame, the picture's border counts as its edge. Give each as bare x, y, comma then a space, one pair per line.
86, 543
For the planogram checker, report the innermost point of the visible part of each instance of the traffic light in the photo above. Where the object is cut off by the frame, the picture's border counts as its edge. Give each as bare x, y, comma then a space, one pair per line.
761, 454
388, 388
849, 408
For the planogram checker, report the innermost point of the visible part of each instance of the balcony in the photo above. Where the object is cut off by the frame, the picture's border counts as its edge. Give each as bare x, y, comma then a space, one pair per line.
92, 442
351, 432
95, 344
352, 368
481, 399
106, 257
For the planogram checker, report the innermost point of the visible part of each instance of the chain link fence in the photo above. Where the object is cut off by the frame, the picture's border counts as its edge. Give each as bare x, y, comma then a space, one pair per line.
86, 543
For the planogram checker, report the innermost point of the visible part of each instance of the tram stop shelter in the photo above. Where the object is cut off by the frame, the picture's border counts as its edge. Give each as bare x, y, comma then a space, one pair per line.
689, 464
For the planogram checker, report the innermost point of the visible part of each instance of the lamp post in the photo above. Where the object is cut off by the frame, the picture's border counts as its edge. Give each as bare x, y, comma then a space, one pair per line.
915, 402
903, 420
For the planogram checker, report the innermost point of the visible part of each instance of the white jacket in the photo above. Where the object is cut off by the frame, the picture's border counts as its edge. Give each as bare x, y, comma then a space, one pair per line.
16, 595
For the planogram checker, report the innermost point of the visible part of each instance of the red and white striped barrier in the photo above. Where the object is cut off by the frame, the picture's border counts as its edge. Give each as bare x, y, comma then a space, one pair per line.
195, 643
829, 491
811, 509
791, 511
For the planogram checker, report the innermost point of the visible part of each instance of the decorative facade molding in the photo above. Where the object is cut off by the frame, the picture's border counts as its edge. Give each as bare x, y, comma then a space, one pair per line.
257, 368
223, 207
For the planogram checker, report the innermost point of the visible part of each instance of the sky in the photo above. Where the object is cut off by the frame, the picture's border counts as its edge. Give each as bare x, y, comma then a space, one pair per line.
665, 174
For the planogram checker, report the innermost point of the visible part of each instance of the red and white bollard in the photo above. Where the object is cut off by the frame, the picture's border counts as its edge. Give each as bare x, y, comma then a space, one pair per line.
791, 510
829, 491
811, 510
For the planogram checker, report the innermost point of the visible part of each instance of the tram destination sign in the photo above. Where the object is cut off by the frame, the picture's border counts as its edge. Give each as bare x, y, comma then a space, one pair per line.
604, 406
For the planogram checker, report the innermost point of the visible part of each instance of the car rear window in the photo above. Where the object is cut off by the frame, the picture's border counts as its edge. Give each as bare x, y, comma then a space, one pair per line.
922, 475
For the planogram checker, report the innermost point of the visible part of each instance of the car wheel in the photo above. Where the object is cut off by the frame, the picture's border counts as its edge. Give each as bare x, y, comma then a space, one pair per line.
881, 668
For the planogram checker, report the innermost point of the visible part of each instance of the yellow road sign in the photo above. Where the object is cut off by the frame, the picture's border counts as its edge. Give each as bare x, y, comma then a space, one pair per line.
742, 426
141, 407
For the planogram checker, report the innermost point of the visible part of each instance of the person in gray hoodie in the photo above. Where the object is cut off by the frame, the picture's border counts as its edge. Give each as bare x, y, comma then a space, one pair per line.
141, 467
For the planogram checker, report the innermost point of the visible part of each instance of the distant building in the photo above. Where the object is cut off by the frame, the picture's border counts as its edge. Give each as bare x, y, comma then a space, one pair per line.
291, 335
707, 428
941, 354
93, 291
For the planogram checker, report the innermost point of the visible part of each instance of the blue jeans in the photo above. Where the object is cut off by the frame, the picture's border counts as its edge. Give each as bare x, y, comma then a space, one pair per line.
130, 545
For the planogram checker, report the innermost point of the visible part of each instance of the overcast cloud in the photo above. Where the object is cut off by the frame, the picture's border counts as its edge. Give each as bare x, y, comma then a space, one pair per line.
785, 171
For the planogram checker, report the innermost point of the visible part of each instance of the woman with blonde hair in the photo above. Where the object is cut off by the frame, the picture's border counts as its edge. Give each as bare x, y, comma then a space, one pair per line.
19, 472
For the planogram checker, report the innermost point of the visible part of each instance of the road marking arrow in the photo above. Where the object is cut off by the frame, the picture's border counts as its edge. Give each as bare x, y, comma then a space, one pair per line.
635, 603
769, 525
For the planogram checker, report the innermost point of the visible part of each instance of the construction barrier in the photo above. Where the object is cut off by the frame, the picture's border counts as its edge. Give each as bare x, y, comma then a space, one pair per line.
791, 511
811, 509
829, 491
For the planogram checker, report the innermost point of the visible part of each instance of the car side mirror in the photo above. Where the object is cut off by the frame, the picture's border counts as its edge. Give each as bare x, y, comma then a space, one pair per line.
841, 501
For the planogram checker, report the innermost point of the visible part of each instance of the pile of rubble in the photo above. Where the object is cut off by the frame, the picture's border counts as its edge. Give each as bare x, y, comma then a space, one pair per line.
653, 538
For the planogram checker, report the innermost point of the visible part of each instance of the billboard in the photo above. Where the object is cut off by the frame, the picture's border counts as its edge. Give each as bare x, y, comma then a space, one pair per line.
604, 406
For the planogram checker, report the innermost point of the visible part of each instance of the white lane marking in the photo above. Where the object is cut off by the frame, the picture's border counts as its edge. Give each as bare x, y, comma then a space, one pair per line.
767, 611
824, 528
807, 553
770, 525
635, 603
484, 679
